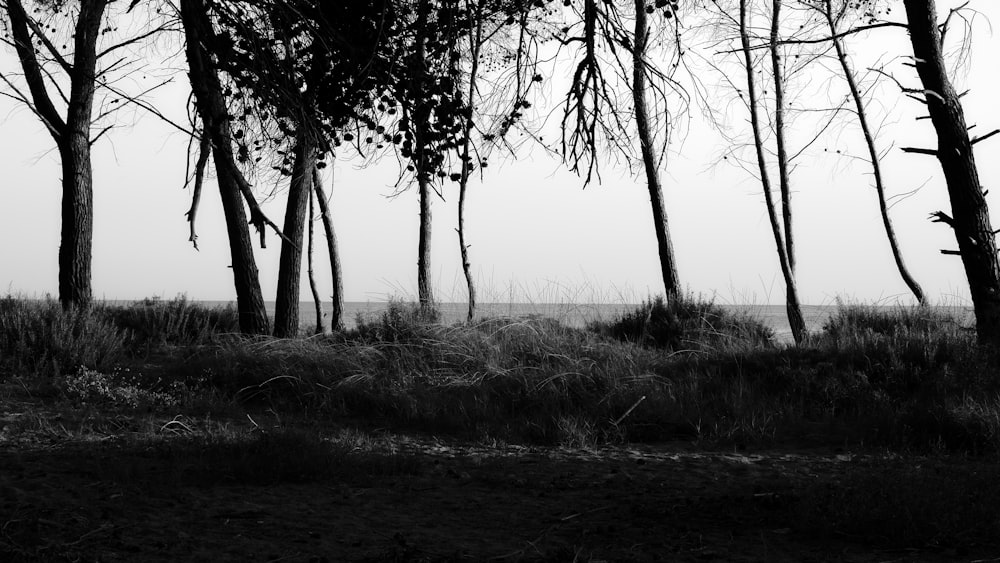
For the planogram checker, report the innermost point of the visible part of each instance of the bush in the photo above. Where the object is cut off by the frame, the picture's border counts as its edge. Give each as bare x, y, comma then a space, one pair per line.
685, 323
906, 352
41, 337
399, 322
178, 322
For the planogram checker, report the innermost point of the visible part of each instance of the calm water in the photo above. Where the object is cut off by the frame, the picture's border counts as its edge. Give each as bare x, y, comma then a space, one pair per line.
577, 315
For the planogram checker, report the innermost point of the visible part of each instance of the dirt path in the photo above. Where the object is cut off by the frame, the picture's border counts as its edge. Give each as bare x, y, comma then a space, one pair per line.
457, 502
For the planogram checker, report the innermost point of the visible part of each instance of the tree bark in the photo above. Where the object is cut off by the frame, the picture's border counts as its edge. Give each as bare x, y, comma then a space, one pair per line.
425, 291
72, 138
286, 303
320, 329
792, 307
668, 266
970, 215
337, 311
859, 105
212, 108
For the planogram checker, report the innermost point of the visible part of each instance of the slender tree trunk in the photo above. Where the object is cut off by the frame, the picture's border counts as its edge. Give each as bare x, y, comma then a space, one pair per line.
475, 42
286, 303
668, 266
320, 329
859, 104
337, 312
970, 215
794, 310
72, 138
425, 292
421, 122
211, 106
463, 247
784, 180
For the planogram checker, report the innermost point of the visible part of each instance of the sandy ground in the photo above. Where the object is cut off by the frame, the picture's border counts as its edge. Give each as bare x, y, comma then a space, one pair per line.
458, 502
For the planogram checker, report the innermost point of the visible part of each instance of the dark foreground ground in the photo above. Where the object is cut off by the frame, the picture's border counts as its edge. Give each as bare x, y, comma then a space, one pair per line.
109, 499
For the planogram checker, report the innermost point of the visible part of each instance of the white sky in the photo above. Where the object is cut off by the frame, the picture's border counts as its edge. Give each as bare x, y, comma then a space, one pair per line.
535, 234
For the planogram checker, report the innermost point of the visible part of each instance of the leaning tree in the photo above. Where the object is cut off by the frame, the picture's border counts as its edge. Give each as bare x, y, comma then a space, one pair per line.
969, 218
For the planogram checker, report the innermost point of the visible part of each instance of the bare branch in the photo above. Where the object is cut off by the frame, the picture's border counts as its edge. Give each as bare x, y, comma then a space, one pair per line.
916, 150
984, 137
204, 150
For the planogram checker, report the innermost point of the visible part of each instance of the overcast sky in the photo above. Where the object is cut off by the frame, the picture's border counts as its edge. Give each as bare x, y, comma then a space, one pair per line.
535, 234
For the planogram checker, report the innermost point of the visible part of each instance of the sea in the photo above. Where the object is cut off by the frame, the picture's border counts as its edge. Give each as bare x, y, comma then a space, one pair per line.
579, 314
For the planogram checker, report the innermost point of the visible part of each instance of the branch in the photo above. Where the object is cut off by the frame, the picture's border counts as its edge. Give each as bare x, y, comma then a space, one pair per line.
148, 107
986, 136
951, 252
135, 39
101, 134
942, 217
205, 148
916, 150
840, 35
32, 70
66, 66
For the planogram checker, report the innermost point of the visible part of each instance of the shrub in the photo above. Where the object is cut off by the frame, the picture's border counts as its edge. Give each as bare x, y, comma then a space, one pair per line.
42, 337
399, 322
687, 323
178, 322
119, 388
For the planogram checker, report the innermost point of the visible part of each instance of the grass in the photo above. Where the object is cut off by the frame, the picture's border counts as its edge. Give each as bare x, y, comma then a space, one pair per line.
686, 323
686, 369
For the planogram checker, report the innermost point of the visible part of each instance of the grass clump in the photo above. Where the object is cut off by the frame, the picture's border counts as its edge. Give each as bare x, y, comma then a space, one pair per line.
43, 338
686, 323
397, 323
153, 322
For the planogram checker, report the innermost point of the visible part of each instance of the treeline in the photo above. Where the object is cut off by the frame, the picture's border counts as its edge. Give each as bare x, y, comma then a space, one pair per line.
284, 86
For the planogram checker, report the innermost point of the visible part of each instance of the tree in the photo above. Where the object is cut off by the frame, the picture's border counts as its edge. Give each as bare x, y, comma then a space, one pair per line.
286, 302
337, 296
475, 36
970, 219
317, 300
793, 309
640, 67
592, 115
72, 133
211, 104
873, 155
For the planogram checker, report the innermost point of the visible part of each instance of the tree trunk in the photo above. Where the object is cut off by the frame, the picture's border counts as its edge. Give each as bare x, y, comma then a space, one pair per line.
211, 106
859, 105
668, 266
421, 121
784, 179
320, 329
286, 303
425, 292
337, 312
75, 247
72, 138
970, 215
794, 310
475, 44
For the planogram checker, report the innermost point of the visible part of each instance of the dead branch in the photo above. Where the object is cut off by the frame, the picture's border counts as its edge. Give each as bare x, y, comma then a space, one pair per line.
984, 137
204, 150
917, 150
